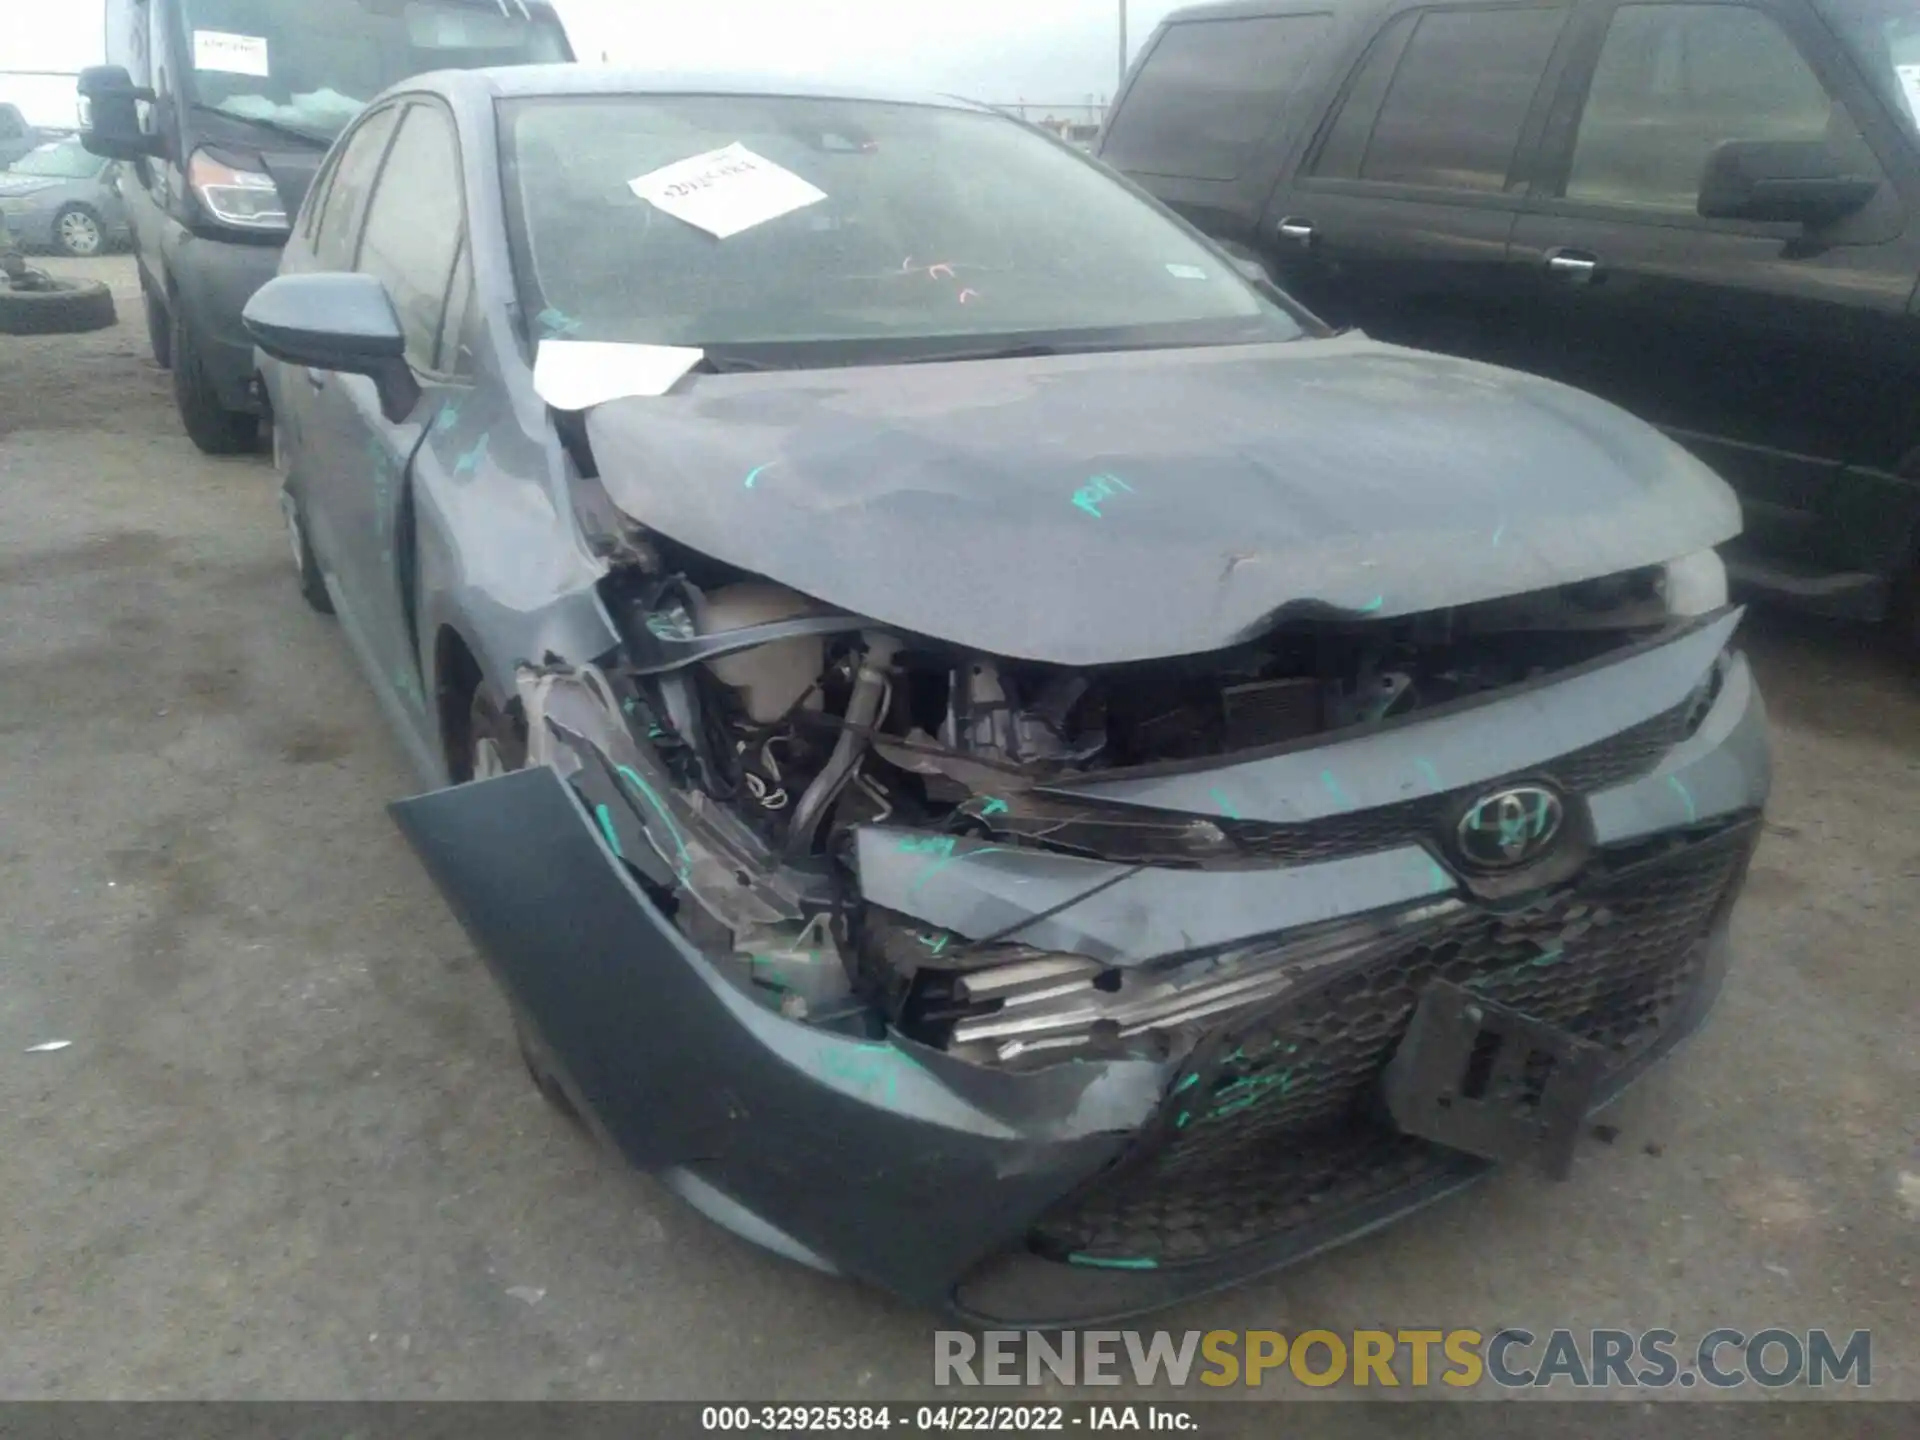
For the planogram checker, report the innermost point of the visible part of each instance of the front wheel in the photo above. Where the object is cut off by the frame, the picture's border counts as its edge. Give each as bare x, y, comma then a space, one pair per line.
77, 231
313, 587
209, 424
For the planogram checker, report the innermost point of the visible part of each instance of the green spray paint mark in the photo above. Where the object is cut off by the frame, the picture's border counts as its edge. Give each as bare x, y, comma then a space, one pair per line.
928, 845
1186, 1084
937, 866
1498, 534
1334, 789
873, 1070
1437, 876
934, 946
1686, 798
448, 417
1090, 496
1429, 774
994, 806
1226, 806
1181, 1123
470, 462
660, 808
1372, 605
754, 474
555, 323
1098, 1262
606, 826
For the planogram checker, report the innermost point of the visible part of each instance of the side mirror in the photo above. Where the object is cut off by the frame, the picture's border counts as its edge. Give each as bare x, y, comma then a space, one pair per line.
110, 112
1790, 181
342, 322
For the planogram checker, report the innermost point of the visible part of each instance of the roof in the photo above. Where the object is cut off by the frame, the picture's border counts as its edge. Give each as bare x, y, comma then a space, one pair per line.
514, 82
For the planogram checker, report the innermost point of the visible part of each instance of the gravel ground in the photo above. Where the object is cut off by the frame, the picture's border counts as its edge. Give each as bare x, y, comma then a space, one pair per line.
290, 1151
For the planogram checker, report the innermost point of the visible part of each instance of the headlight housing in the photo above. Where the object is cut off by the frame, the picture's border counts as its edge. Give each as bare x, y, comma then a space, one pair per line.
245, 199
1695, 584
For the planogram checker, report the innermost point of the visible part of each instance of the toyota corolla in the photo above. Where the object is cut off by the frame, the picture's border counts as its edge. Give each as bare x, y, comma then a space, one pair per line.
983, 744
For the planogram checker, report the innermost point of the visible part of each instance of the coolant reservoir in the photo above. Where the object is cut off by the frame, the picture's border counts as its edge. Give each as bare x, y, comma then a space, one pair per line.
769, 679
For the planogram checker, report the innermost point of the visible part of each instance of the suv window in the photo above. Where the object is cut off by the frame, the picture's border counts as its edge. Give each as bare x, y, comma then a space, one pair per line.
1673, 82
414, 228
347, 188
1208, 94
1445, 109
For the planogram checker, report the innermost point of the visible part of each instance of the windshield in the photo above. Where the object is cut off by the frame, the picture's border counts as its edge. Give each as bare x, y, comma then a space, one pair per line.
1884, 36
311, 65
910, 230
62, 160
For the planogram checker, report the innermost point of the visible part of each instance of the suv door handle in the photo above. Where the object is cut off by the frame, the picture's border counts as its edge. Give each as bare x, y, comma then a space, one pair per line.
1575, 267
1300, 232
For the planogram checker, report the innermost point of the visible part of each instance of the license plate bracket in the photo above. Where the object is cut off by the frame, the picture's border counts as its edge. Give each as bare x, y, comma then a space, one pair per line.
1475, 1075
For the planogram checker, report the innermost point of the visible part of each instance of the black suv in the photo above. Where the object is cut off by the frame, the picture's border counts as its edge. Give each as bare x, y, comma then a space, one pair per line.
1705, 212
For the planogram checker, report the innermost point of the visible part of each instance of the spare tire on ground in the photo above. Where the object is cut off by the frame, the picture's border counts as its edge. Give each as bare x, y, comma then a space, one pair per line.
63, 307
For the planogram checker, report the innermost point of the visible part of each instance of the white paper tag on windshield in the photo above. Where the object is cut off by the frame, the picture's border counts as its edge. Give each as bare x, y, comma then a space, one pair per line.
726, 191
580, 374
229, 54
1910, 85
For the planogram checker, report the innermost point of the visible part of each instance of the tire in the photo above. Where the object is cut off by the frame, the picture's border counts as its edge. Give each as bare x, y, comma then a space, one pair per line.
209, 424
77, 231
313, 587
69, 308
159, 327
488, 727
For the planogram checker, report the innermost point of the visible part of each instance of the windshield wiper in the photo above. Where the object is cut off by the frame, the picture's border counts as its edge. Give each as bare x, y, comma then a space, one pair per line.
278, 127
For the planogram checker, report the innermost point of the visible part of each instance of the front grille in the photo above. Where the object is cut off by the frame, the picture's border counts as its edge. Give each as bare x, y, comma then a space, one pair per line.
1276, 1121
1615, 760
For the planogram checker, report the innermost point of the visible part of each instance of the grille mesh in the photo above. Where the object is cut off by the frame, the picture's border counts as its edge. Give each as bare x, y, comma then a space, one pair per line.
1276, 1122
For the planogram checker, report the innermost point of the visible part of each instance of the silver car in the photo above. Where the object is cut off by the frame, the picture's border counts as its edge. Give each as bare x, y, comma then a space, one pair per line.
59, 197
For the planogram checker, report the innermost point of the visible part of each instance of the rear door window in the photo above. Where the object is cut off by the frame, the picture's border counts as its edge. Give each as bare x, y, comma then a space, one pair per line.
1442, 106
1209, 93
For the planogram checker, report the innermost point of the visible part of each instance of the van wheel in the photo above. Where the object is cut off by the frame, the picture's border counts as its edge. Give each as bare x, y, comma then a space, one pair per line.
159, 327
210, 425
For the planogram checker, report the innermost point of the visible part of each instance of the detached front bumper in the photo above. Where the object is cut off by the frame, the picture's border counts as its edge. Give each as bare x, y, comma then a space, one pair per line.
1088, 1190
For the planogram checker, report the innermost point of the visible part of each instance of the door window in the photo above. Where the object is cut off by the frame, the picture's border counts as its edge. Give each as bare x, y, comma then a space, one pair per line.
1444, 111
345, 202
1208, 93
414, 227
1674, 82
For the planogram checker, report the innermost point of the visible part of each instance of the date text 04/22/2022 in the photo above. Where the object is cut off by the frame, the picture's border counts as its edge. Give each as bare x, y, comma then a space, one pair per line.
935, 1419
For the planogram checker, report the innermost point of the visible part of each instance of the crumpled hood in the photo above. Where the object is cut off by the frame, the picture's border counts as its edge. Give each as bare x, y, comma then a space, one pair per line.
1091, 509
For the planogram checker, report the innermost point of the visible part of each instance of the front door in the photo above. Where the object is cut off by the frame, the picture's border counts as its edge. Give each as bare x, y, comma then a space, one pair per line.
1773, 351
413, 241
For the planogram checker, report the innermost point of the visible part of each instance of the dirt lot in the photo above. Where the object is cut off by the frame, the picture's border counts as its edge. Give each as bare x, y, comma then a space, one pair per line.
291, 1151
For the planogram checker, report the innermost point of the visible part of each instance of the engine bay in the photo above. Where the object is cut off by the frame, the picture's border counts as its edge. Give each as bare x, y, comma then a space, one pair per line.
765, 733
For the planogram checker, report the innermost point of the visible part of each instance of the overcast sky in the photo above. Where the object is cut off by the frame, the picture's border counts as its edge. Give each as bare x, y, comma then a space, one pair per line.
1059, 51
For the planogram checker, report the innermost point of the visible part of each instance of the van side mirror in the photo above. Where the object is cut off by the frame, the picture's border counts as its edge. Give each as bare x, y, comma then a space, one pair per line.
110, 115
341, 322
1791, 181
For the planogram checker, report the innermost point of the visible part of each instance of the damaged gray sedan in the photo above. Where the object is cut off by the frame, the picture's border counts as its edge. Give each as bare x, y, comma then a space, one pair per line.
984, 745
